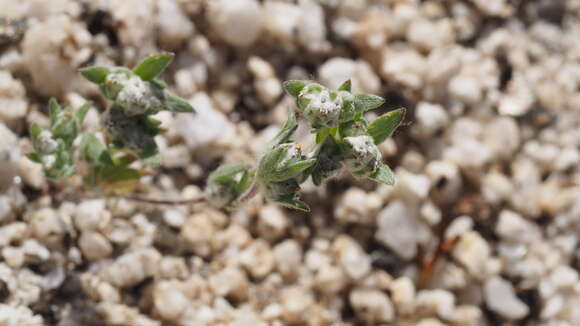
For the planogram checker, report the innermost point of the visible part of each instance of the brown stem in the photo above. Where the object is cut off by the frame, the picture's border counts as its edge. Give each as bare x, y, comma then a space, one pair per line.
166, 201
80, 195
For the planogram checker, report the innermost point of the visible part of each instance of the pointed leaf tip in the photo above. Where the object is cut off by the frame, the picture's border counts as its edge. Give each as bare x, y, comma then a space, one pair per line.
34, 157
95, 74
176, 104
82, 112
287, 130
54, 111
294, 203
384, 126
346, 86
293, 87
35, 131
225, 172
385, 175
153, 66
365, 102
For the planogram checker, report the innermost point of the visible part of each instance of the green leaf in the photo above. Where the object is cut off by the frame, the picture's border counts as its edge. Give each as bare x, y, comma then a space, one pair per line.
384, 126
245, 182
34, 157
365, 102
293, 203
317, 177
152, 66
293, 87
123, 159
298, 167
158, 83
92, 148
54, 111
269, 163
82, 113
321, 135
95, 74
35, 131
328, 160
346, 86
113, 174
150, 156
291, 171
153, 126
287, 130
384, 174
353, 128
175, 103
226, 172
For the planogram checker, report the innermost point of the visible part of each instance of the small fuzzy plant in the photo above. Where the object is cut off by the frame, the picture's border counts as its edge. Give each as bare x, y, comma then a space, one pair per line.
129, 129
344, 140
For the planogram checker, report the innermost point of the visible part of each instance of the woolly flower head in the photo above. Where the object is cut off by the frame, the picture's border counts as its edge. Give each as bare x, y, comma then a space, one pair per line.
133, 94
320, 106
363, 156
45, 143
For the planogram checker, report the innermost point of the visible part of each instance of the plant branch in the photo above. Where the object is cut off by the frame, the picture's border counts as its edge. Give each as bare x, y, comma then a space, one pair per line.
194, 200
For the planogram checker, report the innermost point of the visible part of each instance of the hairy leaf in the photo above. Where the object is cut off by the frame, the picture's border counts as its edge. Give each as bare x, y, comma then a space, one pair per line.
245, 182
114, 174
94, 150
298, 167
346, 86
293, 87
384, 126
365, 102
82, 113
293, 203
35, 131
286, 132
54, 111
384, 174
34, 157
353, 128
95, 74
152, 66
175, 103
226, 172
150, 156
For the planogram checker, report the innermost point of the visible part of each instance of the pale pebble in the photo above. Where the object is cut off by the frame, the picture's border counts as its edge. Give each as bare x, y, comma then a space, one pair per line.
372, 306
500, 297
236, 22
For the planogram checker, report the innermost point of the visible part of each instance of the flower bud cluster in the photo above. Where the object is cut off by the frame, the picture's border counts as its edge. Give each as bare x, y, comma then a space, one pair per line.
136, 95
45, 143
352, 146
47, 147
362, 157
135, 134
53, 148
320, 106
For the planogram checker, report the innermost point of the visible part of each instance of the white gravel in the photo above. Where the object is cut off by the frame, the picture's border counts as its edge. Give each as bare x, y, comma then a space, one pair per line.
481, 227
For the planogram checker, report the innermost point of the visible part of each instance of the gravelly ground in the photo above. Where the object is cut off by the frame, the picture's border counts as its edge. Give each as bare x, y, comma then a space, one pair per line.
481, 229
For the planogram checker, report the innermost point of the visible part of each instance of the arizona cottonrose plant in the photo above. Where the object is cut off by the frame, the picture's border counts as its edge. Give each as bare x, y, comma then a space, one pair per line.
344, 138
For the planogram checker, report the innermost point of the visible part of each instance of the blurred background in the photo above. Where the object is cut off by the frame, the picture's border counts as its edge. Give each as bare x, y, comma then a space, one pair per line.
481, 228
